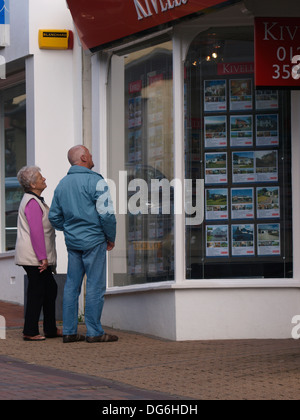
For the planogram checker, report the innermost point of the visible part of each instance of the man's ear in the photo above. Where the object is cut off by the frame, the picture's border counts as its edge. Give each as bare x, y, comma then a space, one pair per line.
83, 158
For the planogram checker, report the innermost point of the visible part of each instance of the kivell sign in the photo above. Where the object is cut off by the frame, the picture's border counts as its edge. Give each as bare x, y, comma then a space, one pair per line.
101, 22
277, 52
146, 8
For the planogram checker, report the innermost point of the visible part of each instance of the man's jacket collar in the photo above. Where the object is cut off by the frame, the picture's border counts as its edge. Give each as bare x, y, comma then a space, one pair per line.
76, 169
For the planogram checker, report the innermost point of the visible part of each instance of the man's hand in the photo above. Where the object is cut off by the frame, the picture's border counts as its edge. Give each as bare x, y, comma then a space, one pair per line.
110, 245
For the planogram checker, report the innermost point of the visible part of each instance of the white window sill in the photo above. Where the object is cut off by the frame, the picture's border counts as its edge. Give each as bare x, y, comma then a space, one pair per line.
207, 284
6, 255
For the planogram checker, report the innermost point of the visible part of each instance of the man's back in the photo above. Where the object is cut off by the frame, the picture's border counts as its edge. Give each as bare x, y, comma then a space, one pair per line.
73, 210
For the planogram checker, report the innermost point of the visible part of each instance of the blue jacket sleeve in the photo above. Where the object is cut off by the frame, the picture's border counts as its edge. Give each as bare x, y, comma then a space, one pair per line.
105, 209
56, 216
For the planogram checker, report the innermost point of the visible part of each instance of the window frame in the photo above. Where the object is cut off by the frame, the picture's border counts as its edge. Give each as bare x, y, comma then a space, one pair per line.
181, 41
12, 80
110, 170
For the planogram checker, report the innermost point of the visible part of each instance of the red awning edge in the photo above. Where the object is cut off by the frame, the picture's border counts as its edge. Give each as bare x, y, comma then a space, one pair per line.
102, 22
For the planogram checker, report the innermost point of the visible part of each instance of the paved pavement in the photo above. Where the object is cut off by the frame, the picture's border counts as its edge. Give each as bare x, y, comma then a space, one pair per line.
139, 367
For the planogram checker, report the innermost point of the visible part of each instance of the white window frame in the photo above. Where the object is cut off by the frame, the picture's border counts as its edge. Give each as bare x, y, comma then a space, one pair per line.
181, 42
9, 82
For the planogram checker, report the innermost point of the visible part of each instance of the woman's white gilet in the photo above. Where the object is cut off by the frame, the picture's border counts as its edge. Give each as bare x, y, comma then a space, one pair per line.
24, 253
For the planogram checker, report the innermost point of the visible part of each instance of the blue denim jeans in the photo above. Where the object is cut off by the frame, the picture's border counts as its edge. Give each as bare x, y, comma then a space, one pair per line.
93, 264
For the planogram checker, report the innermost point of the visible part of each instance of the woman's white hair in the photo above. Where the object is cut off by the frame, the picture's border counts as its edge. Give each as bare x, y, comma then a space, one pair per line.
27, 176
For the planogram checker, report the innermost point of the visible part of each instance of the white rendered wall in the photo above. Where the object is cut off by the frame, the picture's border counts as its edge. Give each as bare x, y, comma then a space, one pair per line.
150, 312
56, 103
211, 314
54, 111
205, 314
11, 280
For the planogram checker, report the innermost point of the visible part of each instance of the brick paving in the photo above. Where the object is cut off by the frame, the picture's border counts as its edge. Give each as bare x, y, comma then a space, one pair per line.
14, 314
26, 381
138, 367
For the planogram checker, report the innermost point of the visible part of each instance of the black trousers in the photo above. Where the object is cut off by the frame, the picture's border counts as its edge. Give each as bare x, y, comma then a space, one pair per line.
41, 294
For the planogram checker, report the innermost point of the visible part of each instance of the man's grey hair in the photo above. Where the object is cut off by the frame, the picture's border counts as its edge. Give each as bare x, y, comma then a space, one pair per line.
27, 176
75, 153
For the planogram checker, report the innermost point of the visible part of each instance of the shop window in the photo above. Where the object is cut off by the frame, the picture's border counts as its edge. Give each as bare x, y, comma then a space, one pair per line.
13, 151
141, 156
238, 141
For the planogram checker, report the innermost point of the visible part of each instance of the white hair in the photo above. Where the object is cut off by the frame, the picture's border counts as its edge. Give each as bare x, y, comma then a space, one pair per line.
27, 176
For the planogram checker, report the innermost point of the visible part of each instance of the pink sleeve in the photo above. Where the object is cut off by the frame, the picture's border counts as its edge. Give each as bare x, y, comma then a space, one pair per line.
34, 214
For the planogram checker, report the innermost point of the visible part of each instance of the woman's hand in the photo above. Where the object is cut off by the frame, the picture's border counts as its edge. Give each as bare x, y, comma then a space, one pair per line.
43, 266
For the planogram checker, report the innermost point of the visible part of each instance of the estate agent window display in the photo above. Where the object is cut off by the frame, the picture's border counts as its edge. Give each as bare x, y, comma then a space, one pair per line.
238, 141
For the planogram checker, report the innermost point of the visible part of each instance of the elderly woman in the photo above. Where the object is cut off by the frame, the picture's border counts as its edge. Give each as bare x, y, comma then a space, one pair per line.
35, 251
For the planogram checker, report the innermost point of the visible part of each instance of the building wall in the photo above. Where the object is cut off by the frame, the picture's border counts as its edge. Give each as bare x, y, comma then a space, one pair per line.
55, 101
152, 312
11, 279
222, 314
54, 112
205, 314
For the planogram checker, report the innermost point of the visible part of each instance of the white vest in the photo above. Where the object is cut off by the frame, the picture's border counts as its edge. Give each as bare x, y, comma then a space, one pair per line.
24, 253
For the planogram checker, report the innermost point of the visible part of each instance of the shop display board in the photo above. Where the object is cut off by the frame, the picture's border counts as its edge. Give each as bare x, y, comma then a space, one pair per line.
241, 152
238, 141
240, 147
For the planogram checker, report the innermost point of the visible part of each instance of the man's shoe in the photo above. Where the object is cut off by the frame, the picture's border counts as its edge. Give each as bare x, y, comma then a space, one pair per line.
73, 338
105, 338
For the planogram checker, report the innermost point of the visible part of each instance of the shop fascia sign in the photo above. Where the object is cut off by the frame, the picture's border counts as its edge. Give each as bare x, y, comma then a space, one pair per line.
102, 22
277, 52
147, 8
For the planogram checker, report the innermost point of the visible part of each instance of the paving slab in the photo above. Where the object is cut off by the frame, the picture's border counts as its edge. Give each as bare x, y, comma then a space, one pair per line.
195, 370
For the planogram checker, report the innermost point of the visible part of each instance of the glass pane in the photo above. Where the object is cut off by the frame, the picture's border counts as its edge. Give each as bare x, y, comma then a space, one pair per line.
14, 109
238, 142
141, 155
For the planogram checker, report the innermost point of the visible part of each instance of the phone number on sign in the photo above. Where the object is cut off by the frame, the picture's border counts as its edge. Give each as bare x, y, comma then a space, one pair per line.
284, 71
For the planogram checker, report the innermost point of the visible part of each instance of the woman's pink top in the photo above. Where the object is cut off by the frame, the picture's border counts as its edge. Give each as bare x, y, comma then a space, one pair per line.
34, 215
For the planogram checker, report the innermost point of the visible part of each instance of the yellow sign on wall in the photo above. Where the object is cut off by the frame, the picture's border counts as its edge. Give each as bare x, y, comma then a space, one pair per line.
55, 39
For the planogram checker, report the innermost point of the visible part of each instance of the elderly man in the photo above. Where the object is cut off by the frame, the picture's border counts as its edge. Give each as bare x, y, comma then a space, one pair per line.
89, 226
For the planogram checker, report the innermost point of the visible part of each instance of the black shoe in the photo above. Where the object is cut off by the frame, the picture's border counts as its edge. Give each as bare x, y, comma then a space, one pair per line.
105, 338
73, 338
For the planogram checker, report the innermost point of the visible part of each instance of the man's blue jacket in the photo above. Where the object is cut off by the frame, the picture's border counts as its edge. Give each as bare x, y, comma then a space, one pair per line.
82, 209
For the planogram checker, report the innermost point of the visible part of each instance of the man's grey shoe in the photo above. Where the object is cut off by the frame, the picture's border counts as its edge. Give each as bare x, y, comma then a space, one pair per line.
73, 338
105, 338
